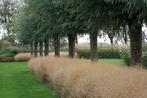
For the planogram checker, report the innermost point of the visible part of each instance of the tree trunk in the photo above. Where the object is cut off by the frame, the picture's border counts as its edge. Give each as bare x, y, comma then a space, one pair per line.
41, 48
111, 36
57, 45
76, 38
71, 45
111, 41
125, 34
35, 48
93, 46
135, 30
31, 48
46, 46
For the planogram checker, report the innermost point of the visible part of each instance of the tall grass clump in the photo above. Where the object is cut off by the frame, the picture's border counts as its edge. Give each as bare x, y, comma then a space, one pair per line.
74, 78
23, 57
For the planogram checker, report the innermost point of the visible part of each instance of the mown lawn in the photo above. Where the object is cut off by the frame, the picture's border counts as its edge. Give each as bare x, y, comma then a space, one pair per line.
16, 81
112, 61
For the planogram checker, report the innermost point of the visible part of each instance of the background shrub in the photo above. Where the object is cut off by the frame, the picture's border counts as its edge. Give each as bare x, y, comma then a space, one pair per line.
10, 52
124, 51
144, 61
127, 59
144, 47
109, 52
83, 52
103, 52
125, 55
5, 44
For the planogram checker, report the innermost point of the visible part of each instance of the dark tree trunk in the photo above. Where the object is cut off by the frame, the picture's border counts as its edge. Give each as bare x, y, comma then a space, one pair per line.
135, 30
125, 38
71, 45
111, 41
35, 49
31, 48
41, 48
46, 46
111, 36
76, 38
57, 45
125, 35
93, 46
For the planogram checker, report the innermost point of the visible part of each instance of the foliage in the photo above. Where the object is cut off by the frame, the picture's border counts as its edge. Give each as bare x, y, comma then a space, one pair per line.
127, 60
125, 54
5, 44
10, 52
47, 19
109, 52
7, 11
10, 38
124, 51
6, 54
144, 48
103, 52
144, 62
83, 52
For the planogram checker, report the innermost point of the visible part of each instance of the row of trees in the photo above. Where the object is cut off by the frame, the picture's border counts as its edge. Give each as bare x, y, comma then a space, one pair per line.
41, 21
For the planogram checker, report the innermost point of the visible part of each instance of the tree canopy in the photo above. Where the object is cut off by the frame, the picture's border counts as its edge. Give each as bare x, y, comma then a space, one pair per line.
52, 19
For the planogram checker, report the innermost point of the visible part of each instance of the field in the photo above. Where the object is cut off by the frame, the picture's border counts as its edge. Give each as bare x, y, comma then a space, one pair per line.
16, 81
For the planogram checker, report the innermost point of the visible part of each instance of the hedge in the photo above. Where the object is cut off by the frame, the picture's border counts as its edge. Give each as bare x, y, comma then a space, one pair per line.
105, 52
9, 52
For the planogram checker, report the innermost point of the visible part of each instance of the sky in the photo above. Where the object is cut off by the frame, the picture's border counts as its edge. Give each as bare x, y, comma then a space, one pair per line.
85, 39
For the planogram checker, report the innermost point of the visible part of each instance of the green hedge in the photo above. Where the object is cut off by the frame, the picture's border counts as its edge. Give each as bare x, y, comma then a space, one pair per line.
127, 61
9, 52
109, 52
144, 62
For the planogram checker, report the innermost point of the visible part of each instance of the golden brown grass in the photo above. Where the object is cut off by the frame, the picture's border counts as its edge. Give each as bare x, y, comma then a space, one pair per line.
83, 79
23, 57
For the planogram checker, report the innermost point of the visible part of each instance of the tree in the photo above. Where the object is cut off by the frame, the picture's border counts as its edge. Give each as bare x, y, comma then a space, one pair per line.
128, 12
64, 18
34, 28
10, 38
7, 11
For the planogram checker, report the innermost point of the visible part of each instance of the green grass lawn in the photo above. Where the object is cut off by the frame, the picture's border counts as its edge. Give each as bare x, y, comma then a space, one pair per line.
112, 61
16, 81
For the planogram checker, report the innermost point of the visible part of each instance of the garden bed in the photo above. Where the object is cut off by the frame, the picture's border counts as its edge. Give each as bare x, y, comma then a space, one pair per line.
7, 59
